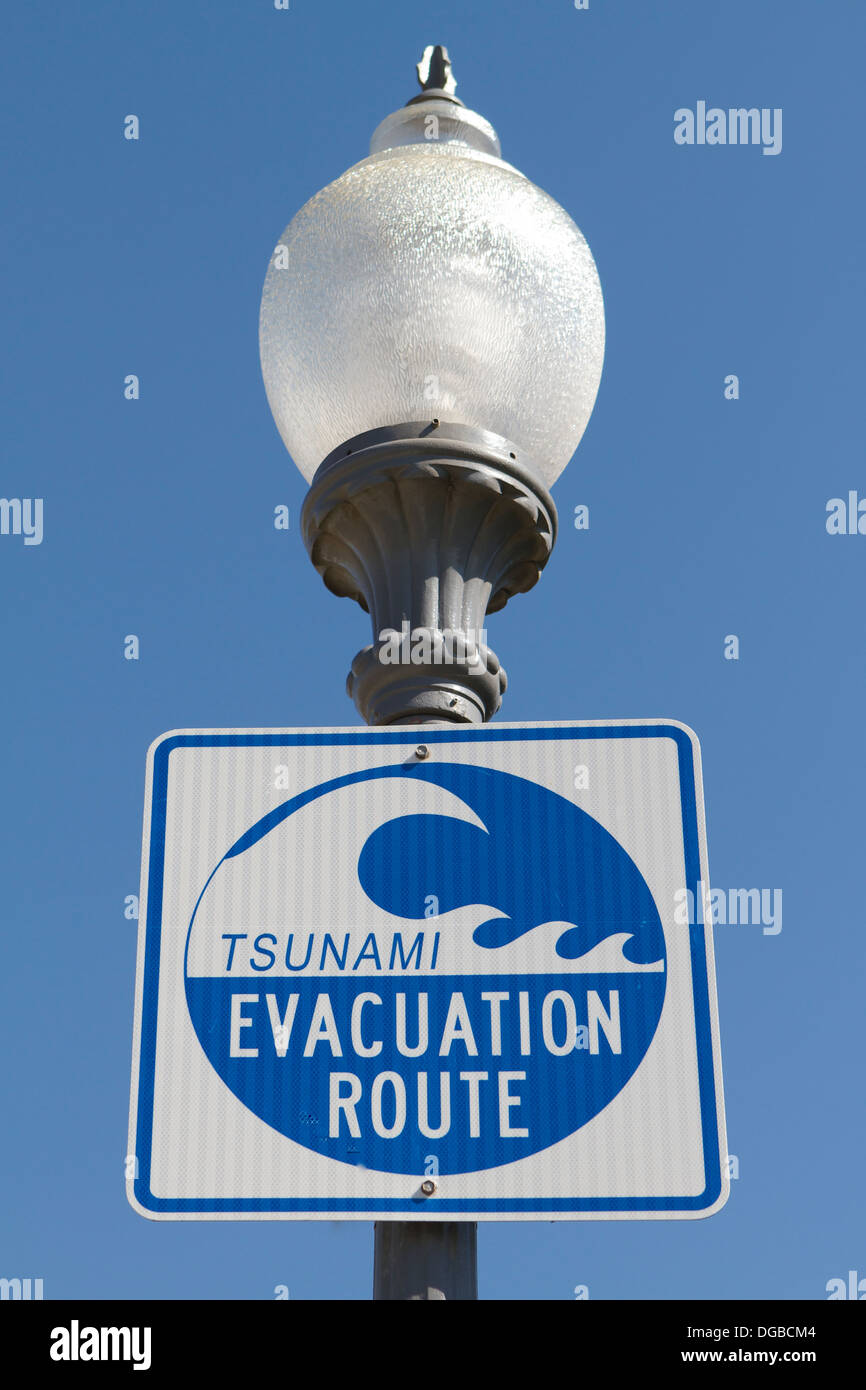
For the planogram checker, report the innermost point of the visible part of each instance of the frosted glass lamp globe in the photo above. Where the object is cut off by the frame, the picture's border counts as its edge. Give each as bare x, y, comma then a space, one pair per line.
433, 279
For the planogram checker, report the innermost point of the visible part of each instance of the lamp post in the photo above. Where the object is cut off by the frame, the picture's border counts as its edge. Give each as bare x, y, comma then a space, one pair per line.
432, 336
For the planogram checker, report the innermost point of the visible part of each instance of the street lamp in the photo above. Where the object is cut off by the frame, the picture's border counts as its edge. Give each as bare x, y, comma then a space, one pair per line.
432, 336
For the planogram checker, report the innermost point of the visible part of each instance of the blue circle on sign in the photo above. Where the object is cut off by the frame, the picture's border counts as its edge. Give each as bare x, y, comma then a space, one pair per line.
426, 1070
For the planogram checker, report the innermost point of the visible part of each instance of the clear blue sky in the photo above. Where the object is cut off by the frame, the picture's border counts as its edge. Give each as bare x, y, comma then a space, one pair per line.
707, 519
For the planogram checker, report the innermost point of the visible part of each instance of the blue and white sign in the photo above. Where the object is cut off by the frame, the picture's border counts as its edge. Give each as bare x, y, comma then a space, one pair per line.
424, 974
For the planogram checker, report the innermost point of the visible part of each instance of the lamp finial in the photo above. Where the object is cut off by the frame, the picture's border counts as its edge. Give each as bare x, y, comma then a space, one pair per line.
434, 70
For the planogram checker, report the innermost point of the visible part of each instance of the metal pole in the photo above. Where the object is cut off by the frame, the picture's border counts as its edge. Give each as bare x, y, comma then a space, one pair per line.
420, 1260
430, 526
425, 1260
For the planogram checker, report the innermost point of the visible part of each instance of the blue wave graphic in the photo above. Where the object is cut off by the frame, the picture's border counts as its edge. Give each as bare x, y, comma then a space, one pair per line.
540, 858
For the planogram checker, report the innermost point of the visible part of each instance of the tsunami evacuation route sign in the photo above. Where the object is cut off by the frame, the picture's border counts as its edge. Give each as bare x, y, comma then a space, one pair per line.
362, 969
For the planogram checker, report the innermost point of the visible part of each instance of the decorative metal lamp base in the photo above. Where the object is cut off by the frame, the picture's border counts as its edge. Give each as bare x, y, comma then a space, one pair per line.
428, 526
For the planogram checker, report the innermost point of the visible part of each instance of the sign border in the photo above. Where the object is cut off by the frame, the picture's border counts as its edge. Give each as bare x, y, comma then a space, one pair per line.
716, 1182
